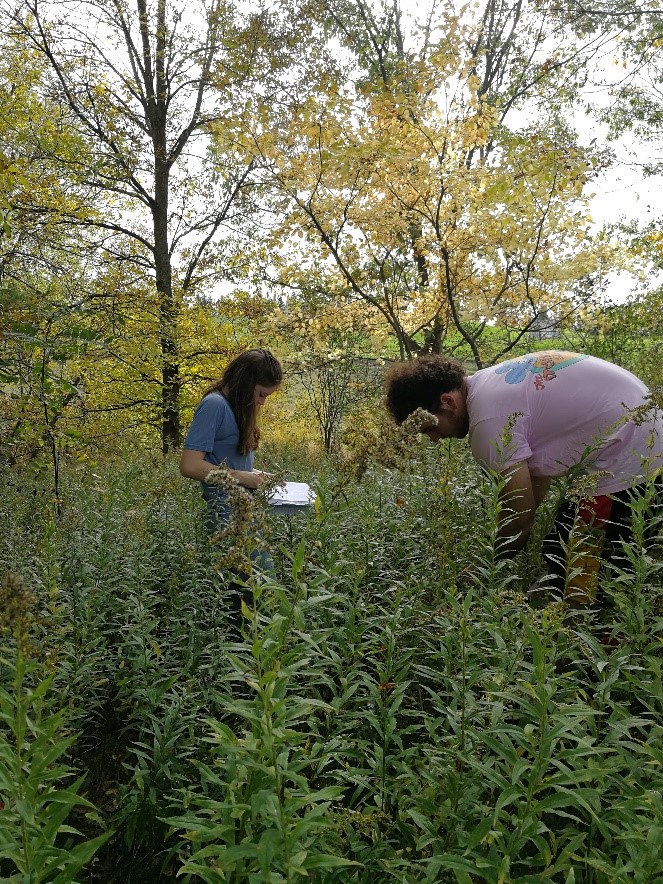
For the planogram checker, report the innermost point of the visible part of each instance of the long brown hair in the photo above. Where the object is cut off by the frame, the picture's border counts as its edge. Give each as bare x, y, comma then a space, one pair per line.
238, 384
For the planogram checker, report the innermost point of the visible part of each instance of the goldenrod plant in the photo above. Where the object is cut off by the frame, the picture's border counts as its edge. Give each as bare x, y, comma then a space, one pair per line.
392, 709
39, 789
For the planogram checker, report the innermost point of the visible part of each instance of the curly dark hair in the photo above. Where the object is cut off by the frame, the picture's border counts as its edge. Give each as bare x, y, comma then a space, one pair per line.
419, 383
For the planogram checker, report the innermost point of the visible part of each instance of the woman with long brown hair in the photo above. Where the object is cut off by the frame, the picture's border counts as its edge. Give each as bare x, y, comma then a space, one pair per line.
224, 430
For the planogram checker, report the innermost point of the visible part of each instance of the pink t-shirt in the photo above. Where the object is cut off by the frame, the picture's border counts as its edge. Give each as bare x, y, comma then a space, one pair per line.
568, 403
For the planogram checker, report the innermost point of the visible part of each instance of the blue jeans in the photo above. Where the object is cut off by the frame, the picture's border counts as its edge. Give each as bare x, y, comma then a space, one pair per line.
218, 517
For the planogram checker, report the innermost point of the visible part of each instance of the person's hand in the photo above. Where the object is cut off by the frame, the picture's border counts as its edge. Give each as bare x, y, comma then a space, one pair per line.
253, 478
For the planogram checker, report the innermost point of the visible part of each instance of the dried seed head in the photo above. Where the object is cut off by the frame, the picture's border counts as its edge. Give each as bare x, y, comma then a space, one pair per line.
391, 446
17, 603
584, 487
245, 530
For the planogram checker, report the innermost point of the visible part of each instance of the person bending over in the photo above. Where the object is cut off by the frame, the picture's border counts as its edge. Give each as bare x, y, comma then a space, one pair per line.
533, 419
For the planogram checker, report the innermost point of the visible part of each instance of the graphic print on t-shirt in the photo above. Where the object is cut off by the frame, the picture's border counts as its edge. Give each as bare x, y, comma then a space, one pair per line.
544, 367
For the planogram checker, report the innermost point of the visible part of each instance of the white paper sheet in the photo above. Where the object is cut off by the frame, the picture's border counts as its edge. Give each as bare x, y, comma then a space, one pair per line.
292, 494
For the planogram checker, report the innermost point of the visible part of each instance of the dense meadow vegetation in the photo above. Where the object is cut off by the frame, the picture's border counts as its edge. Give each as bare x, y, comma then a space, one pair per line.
347, 182
397, 708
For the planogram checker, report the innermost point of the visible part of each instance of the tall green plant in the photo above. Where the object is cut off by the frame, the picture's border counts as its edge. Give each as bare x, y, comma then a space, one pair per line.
38, 787
259, 817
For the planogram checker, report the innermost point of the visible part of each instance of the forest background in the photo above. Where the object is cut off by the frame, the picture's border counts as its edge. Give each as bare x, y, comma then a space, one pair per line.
348, 179
347, 183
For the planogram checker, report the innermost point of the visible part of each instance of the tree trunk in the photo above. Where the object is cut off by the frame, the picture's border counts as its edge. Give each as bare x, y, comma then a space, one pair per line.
157, 113
171, 382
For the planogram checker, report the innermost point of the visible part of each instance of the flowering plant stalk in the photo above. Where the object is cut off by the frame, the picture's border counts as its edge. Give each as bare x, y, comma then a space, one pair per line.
390, 445
245, 530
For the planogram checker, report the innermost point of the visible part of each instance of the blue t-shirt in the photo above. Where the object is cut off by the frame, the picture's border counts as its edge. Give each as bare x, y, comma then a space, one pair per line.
214, 430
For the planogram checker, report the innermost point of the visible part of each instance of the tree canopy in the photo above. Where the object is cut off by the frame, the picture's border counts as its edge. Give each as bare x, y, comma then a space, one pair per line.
409, 180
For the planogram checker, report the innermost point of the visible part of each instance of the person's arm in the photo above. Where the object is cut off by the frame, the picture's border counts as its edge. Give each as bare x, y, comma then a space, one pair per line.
519, 499
540, 486
194, 466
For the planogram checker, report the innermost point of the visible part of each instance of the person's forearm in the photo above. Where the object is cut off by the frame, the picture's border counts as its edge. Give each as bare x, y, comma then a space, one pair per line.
540, 486
510, 540
251, 479
245, 478
518, 503
196, 469
514, 529
193, 465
